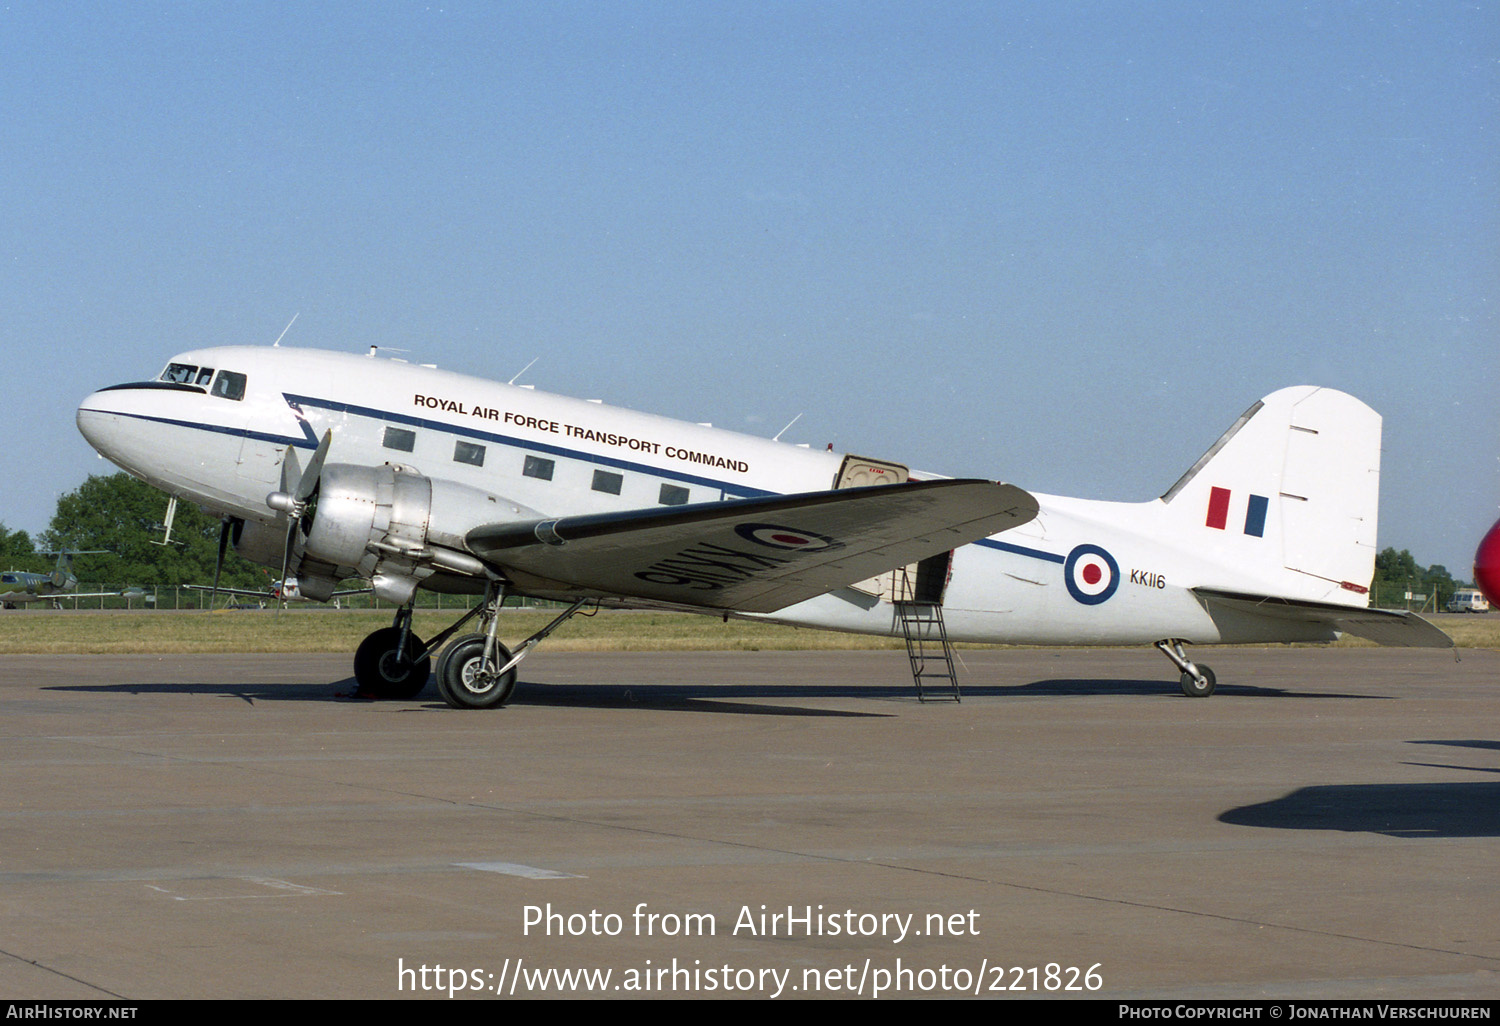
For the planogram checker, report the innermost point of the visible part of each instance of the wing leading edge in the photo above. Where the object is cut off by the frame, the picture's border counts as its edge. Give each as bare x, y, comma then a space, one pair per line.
752, 555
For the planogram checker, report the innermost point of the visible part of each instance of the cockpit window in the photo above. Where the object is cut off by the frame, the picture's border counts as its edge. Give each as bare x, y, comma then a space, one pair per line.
229, 385
180, 373
204, 373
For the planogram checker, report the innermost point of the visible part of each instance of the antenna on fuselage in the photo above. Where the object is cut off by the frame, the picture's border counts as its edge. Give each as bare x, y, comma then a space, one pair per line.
777, 436
523, 370
286, 329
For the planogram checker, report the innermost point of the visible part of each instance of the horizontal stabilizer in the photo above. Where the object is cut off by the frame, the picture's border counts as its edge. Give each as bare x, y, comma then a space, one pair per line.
1382, 626
752, 555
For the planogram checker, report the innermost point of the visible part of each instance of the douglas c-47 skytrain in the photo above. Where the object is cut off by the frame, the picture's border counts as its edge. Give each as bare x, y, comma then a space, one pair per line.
330, 466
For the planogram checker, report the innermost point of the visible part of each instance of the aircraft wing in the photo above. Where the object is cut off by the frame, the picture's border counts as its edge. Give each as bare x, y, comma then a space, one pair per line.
229, 591
752, 555
270, 596
1382, 626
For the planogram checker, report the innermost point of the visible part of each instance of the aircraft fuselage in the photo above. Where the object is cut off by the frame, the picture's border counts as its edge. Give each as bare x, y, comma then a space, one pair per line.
18, 587
218, 429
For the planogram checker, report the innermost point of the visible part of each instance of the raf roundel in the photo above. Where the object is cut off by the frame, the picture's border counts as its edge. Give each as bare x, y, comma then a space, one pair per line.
786, 538
1091, 573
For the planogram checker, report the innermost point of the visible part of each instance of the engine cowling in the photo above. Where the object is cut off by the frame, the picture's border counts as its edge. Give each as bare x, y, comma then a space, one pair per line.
259, 543
393, 526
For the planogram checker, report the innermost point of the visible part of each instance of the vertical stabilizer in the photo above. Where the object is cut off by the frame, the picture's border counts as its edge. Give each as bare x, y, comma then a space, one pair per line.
1287, 499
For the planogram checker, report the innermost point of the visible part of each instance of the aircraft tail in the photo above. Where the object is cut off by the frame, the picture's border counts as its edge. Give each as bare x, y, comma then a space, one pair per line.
64, 568
1285, 503
65, 557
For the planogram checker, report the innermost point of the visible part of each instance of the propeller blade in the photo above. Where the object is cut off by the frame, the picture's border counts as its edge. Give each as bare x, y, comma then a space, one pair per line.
293, 501
291, 469
309, 480
296, 502
286, 548
224, 529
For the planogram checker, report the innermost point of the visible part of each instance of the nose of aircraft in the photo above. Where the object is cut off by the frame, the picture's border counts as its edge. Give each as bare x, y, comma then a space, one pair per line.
173, 437
105, 419
96, 421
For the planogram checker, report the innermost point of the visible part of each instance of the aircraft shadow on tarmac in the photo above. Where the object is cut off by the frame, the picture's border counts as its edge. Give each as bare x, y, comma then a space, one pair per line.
705, 697
249, 693
692, 698
611, 695
1170, 688
711, 697
1455, 809
1492, 746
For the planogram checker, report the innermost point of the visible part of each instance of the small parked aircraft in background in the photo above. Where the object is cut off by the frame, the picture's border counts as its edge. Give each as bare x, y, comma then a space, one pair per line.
20, 587
283, 591
330, 465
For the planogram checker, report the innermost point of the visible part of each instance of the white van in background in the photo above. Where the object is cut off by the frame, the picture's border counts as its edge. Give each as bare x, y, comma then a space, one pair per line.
1468, 600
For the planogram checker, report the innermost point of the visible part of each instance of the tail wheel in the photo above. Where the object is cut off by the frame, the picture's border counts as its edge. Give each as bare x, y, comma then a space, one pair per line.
463, 681
1195, 687
383, 671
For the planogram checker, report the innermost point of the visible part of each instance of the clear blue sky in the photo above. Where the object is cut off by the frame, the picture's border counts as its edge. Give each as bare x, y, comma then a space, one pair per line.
1060, 244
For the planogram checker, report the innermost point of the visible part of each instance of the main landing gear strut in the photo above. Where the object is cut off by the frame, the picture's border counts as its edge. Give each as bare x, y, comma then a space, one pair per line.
1197, 678
475, 672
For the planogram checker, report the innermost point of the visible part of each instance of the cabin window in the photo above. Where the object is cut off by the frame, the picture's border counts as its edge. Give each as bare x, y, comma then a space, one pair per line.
228, 385
604, 481
673, 495
468, 452
400, 439
538, 467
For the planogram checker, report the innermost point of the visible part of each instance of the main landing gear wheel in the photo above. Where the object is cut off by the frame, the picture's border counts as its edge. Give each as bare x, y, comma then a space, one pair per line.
384, 671
463, 681
1194, 687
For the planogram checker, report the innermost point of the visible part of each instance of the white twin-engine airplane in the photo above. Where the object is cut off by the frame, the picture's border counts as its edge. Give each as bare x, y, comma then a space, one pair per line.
331, 465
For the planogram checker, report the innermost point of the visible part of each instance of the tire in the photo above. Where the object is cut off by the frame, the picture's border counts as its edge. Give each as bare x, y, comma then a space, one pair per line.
380, 674
457, 675
1193, 688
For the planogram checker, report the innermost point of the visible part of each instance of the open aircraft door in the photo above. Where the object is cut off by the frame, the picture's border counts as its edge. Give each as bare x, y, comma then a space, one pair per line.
920, 582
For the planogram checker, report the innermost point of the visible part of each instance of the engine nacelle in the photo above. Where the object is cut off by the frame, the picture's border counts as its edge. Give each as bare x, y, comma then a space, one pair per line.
394, 527
259, 543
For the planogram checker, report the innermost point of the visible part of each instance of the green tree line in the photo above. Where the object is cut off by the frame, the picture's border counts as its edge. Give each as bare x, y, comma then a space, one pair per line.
1397, 573
122, 517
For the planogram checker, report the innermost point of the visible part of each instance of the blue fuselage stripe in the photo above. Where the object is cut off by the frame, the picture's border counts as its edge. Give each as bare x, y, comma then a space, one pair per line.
728, 487
309, 441
218, 429
1021, 550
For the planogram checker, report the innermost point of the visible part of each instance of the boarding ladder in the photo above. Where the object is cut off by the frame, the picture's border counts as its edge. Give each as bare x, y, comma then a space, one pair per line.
927, 645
